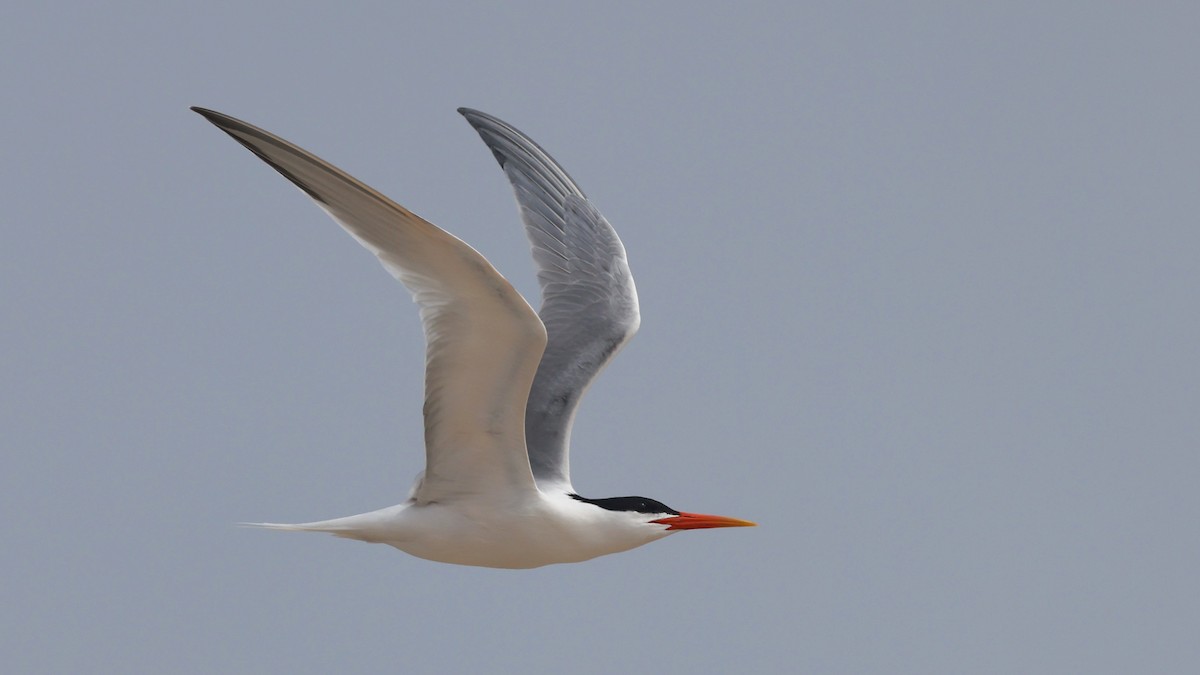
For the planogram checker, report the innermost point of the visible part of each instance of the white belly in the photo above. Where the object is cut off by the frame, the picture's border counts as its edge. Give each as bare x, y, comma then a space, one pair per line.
544, 531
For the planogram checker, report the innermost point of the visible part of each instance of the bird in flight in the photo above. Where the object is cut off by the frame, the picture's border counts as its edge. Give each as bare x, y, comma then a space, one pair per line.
502, 383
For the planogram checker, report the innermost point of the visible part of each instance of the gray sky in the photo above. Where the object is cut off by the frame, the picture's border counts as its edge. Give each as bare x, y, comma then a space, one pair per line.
918, 289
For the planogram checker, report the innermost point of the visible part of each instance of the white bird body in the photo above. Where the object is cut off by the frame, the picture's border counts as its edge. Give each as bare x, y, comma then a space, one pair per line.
515, 531
502, 382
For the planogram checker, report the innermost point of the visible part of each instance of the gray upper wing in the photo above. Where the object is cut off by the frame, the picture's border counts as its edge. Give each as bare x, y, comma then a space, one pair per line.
589, 303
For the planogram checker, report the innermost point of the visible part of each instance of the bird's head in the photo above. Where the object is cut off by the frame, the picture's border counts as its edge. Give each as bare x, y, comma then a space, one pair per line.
655, 512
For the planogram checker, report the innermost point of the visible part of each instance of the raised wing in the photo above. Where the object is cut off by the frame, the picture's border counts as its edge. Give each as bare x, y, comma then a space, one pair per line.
589, 303
483, 340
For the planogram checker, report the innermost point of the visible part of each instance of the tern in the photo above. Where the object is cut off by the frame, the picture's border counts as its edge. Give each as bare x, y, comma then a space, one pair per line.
502, 383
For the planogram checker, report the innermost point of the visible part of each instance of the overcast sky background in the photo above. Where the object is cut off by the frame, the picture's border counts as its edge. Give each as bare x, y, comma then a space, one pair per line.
919, 295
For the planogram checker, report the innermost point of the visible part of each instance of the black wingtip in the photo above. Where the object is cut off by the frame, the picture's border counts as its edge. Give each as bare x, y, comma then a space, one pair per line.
243, 133
477, 119
229, 124
220, 119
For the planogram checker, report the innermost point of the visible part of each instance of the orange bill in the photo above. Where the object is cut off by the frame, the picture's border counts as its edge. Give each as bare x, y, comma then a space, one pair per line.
700, 521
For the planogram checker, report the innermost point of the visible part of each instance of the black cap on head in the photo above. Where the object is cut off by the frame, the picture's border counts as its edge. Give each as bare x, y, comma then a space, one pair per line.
632, 504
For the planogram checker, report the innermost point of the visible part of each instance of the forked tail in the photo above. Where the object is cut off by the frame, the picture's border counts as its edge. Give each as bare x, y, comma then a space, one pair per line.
364, 527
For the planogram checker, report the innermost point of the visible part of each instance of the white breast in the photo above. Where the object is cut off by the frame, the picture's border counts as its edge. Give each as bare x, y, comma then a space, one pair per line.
525, 533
